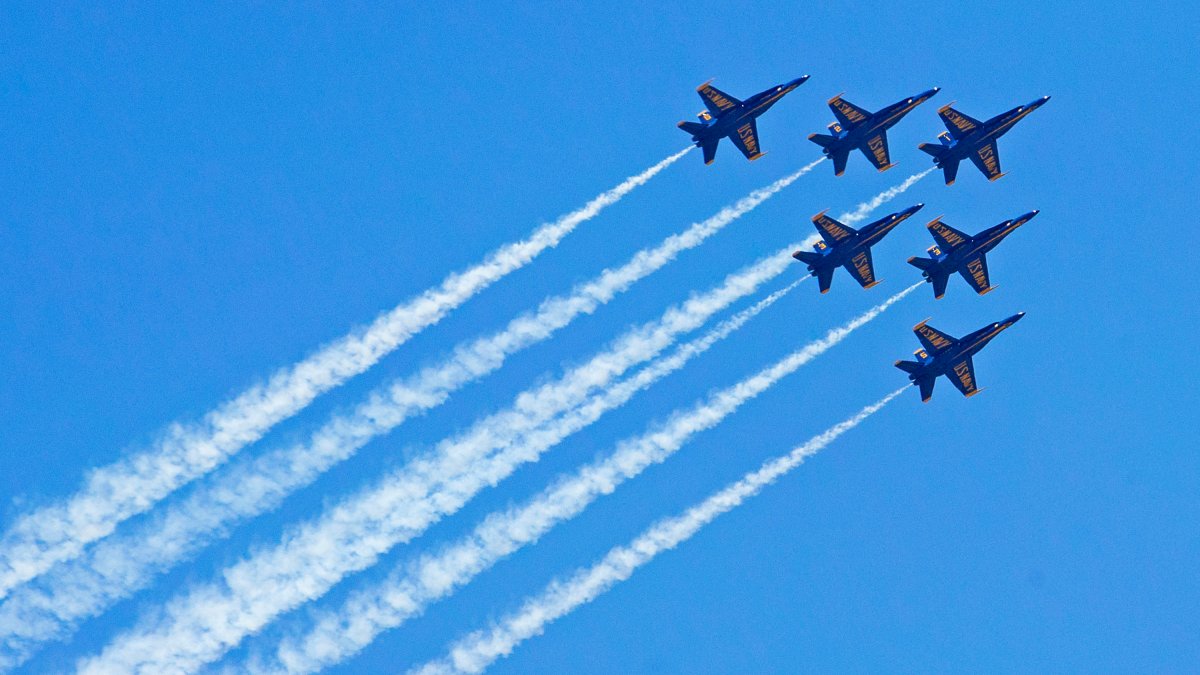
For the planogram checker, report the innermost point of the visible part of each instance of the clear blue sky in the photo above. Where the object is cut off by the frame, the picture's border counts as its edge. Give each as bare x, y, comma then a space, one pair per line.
195, 197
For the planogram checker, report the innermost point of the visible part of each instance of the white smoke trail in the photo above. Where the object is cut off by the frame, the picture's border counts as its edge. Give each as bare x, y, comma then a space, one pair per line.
865, 208
454, 490
476, 651
116, 492
408, 591
250, 490
396, 509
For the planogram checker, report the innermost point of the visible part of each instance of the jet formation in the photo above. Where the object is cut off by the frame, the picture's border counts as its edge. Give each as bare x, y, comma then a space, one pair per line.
840, 245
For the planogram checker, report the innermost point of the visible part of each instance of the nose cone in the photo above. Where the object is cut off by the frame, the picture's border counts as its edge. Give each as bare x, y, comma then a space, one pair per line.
797, 82
929, 93
1014, 318
911, 210
1038, 102
1021, 220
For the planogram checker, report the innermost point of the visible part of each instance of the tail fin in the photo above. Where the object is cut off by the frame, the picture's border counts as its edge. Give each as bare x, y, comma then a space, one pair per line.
822, 140
807, 257
692, 128
908, 366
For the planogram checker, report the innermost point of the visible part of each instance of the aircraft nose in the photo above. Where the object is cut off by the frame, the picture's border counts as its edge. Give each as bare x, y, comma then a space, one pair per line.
930, 93
1016, 317
798, 81
1040, 102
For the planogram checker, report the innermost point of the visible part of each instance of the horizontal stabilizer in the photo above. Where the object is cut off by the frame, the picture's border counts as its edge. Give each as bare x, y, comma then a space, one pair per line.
921, 263
934, 149
908, 366
807, 257
692, 128
823, 140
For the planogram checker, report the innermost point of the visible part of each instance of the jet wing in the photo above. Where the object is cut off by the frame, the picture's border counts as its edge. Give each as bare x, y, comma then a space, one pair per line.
947, 237
746, 140
932, 339
975, 271
847, 113
717, 101
862, 268
831, 230
957, 123
987, 159
876, 151
962, 376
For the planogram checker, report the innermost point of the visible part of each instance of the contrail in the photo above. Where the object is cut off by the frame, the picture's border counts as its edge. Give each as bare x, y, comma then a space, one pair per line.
318, 649
475, 652
864, 209
408, 590
114, 493
252, 488
367, 524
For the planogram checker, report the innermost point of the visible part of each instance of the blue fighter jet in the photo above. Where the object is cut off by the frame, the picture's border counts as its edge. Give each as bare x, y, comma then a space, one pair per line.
727, 116
941, 354
857, 128
850, 248
968, 138
954, 251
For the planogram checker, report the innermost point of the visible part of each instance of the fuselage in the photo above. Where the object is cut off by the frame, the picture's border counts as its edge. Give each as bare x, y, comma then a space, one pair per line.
986, 132
845, 251
729, 121
884, 119
969, 345
956, 259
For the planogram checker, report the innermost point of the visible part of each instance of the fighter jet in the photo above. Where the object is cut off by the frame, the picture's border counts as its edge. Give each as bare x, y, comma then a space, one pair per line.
727, 116
850, 248
969, 138
867, 131
941, 354
954, 251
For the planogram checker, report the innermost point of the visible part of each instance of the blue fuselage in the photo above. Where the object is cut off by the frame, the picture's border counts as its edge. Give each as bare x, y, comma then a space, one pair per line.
962, 148
730, 120
844, 251
969, 345
985, 241
886, 118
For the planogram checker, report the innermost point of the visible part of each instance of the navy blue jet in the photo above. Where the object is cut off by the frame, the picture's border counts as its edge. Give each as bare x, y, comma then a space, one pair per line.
861, 129
727, 116
843, 245
941, 354
954, 251
968, 138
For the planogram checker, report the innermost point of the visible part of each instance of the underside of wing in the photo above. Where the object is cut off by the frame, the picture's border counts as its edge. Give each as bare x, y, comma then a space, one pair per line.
831, 230
947, 237
932, 339
745, 138
962, 376
876, 151
847, 113
987, 159
957, 123
717, 101
975, 271
862, 268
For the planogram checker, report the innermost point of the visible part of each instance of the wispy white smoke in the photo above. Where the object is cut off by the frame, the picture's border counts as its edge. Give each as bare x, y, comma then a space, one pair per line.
183, 639
864, 209
410, 589
478, 650
114, 493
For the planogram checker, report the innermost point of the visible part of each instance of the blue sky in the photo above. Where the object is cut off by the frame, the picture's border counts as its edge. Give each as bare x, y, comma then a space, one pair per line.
195, 198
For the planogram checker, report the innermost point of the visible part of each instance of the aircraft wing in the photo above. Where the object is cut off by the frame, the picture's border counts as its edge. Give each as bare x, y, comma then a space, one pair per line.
846, 112
862, 268
962, 376
716, 100
932, 339
876, 151
831, 230
746, 140
947, 237
975, 271
958, 124
987, 159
